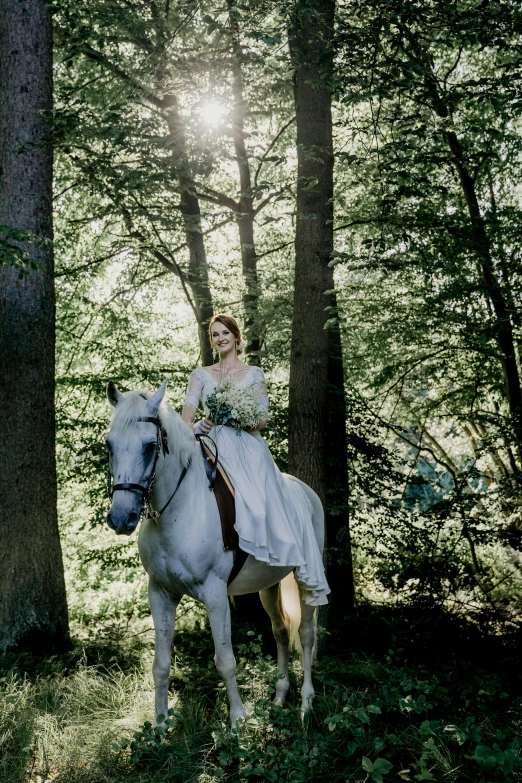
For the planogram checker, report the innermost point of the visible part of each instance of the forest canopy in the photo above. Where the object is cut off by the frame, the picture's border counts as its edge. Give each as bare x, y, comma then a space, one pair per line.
176, 176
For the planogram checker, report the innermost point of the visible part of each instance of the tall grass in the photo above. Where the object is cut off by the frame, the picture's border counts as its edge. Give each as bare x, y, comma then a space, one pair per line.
73, 719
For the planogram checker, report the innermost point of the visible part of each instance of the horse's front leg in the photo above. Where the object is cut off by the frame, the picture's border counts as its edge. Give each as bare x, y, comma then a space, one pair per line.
163, 608
214, 596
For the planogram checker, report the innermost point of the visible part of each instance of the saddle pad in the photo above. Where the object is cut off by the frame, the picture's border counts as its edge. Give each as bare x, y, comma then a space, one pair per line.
224, 494
227, 511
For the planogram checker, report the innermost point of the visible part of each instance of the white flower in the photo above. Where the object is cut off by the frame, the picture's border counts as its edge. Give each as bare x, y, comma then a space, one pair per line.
239, 403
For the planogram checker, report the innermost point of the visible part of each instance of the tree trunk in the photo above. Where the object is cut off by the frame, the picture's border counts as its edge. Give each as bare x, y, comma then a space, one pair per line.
189, 202
317, 409
504, 328
340, 567
33, 606
246, 214
482, 248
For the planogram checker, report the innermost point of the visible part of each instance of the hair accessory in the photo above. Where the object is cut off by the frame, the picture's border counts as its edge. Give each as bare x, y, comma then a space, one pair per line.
241, 345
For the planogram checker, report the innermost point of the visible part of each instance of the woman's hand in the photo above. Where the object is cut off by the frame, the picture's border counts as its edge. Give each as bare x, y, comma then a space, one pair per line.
203, 427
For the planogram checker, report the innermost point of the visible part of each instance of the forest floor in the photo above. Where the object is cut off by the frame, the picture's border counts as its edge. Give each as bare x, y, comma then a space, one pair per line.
400, 695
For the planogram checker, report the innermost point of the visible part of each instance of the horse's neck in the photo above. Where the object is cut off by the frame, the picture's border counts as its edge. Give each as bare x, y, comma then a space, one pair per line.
169, 471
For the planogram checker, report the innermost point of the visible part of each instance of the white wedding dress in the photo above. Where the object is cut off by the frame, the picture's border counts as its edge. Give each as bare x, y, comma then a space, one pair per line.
273, 513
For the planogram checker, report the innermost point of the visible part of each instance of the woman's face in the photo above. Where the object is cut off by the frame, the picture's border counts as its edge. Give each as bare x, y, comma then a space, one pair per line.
223, 341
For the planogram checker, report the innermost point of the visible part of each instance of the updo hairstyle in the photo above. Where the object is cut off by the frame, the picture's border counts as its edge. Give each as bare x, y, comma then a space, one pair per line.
231, 324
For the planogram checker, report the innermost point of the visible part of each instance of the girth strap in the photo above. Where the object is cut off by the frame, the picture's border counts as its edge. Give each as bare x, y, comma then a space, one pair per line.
239, 562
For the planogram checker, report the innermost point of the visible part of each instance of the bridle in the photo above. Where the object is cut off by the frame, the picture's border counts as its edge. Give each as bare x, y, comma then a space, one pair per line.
162, 444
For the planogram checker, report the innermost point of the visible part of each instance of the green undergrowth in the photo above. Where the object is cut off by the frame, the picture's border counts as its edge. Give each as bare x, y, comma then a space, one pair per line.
84, 717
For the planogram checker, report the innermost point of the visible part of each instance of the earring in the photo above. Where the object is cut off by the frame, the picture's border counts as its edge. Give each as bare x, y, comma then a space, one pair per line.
214, 354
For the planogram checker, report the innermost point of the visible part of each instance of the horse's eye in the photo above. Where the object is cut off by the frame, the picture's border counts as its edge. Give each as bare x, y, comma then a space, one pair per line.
149, 448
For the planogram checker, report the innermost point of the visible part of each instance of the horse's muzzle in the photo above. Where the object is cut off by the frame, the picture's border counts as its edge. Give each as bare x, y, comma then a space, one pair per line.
123, 526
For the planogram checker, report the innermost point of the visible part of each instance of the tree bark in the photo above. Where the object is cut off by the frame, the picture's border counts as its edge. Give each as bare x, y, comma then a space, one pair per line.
33, 606
189, 202
317, 408
339, 551
246, 214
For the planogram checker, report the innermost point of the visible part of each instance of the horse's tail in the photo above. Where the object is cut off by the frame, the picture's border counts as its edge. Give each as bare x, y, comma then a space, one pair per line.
291, 605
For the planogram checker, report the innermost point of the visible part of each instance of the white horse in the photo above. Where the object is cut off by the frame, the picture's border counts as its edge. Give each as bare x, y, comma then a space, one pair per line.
182, 548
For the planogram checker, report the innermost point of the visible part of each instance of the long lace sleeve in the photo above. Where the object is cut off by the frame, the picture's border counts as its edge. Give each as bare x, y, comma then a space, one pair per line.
260, 391
194, 388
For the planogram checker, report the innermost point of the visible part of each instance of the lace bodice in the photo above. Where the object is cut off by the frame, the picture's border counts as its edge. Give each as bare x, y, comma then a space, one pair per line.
202, 383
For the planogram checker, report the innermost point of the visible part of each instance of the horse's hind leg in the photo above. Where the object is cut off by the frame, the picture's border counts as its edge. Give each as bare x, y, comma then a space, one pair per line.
271, 600
163, 609
307, 637
215, 598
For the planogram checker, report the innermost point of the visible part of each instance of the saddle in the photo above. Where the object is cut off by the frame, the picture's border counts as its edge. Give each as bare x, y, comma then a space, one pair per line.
225, 499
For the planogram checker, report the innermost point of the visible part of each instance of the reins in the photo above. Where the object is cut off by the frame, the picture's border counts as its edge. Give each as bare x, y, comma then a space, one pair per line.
162, 445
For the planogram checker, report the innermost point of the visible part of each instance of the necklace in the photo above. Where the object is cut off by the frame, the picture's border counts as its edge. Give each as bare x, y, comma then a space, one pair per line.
223, 372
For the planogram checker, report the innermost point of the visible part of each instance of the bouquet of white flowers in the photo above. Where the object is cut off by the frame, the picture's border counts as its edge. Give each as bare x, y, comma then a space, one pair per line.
234, 406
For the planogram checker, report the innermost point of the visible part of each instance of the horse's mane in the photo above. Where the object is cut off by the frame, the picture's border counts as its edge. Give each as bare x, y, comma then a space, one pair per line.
133, 406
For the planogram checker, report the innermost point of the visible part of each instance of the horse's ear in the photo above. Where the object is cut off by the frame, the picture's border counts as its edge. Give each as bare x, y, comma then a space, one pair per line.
114, 395
154, 402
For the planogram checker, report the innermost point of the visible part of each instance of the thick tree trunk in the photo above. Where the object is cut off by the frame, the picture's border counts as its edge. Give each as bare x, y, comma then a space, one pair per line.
245, 216
32, 591
317, 409
189, 203
340, 567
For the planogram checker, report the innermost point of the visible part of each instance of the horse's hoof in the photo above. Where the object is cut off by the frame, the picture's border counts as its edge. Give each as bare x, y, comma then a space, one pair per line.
280, 698
241, 718
160, 721
306, 704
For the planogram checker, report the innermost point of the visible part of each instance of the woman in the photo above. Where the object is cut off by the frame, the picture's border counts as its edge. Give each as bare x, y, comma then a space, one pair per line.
273, 514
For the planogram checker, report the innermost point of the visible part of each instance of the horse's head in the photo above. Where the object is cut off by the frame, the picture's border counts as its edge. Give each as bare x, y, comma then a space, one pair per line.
133, 448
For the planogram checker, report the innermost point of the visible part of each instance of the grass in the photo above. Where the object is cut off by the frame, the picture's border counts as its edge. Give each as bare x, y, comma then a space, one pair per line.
398, 714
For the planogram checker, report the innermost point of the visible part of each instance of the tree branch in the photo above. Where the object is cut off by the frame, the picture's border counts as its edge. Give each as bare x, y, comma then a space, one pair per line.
98, 57
217, 198
271, 146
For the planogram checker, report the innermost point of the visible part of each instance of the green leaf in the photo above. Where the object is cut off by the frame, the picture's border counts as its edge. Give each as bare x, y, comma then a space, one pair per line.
382, 765
367, 765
